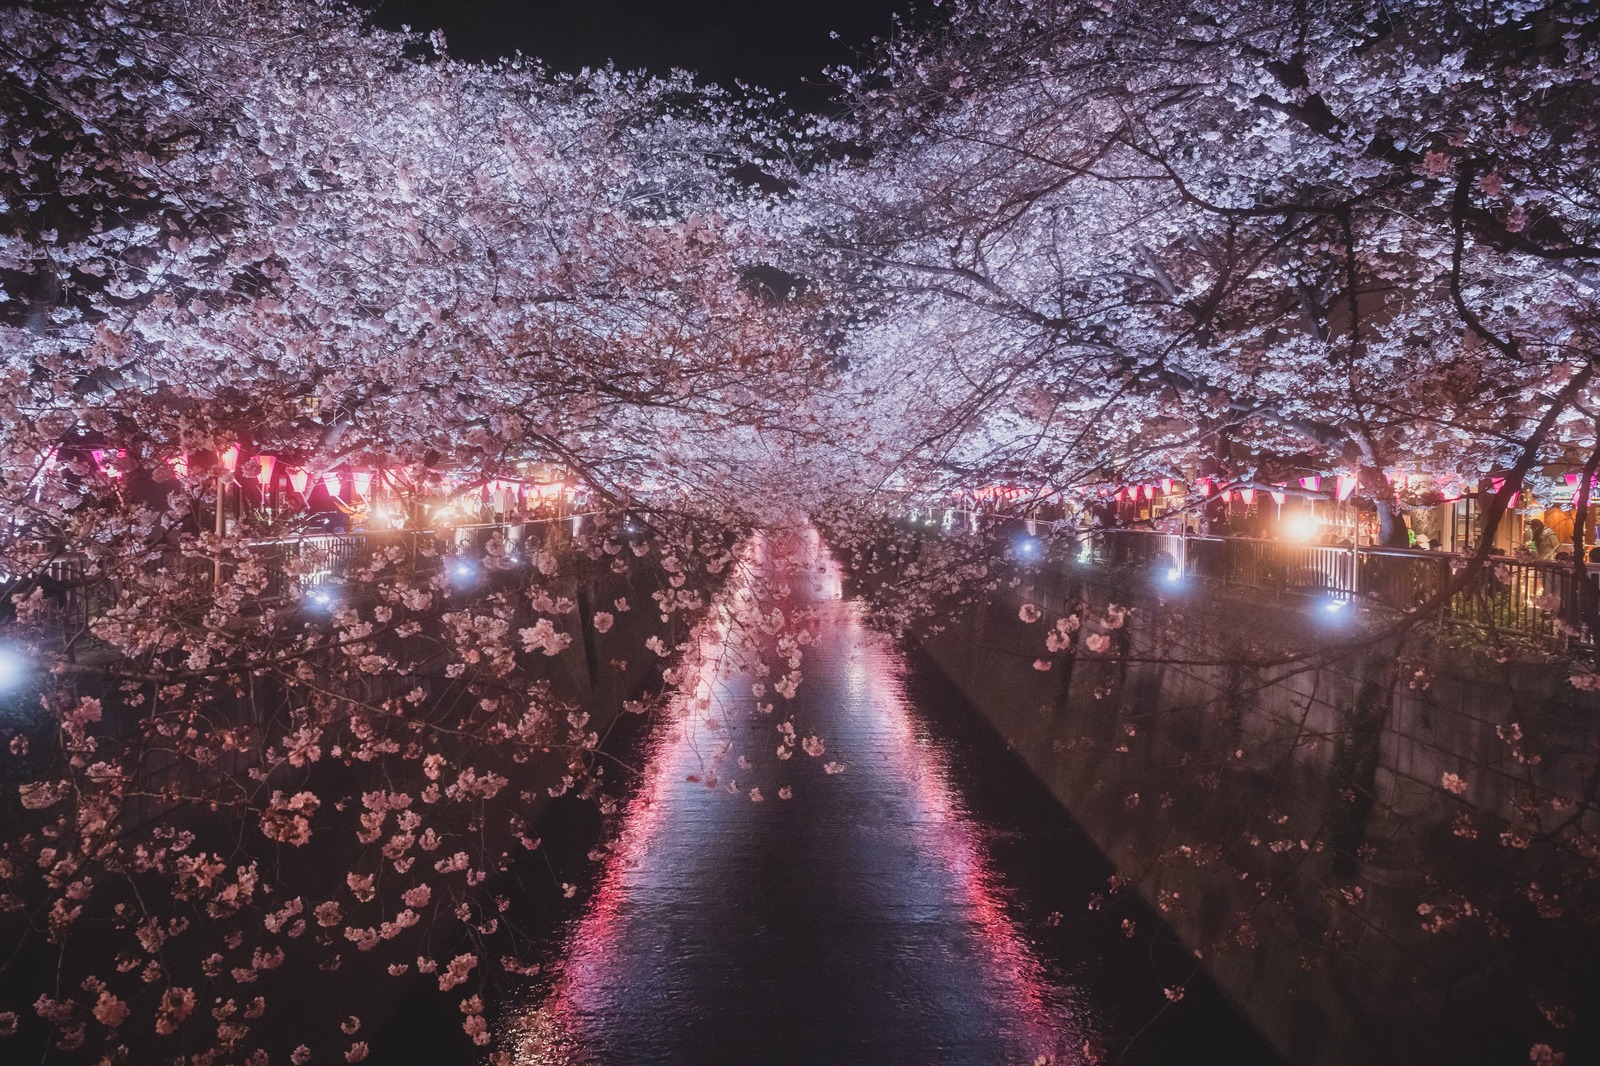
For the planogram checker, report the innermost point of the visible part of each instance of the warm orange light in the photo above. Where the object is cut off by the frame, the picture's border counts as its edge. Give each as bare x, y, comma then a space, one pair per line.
230, 457
268, 463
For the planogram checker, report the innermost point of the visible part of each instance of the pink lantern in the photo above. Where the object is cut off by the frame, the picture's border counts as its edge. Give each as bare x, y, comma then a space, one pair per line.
1499, 483
363, 483
1572, 480
1346, 484
1278, 496
1248, 496
1166, 486
269, 463
180, 465
300, 480
100, 455
1205, 486
229, 457
332, 483
1312, 483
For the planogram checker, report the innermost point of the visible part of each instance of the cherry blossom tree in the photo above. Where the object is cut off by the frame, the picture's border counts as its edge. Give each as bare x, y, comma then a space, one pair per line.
1114, 241
260, 228
1061, 243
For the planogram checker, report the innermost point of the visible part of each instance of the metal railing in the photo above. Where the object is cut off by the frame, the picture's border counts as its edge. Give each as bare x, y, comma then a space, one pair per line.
1527, 597
319, 558
73, 595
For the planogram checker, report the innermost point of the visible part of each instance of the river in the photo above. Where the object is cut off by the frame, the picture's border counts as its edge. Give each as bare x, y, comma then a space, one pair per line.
928, 903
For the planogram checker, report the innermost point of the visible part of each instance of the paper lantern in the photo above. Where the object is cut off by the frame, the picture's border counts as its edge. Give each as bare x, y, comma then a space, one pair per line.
1278, 496
1248, 496
363, 483
100, 455
269, 463
1499, 483
1573, 479
1312, 483
332, 483
229, 457
1166, 486
1205, 486
1346, 484
180, 465
300, 480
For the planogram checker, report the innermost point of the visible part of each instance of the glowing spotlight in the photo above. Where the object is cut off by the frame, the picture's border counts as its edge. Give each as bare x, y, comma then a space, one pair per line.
13, 669
1301, 528
1334, 606
321, 597
1174, 574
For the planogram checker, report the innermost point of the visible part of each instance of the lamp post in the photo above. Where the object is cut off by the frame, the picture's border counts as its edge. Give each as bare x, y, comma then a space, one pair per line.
228, 460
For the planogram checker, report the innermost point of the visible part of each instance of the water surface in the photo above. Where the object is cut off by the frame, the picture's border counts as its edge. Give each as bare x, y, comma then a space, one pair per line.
928, 904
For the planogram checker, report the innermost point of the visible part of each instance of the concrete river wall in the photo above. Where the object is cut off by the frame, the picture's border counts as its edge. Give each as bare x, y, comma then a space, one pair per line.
1349, 844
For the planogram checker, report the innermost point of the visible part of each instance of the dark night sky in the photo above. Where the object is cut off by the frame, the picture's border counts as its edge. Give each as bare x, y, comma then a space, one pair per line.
782, 46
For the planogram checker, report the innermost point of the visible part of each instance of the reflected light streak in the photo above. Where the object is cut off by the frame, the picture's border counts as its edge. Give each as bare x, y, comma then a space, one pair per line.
552, 1032
950, 832
959, 888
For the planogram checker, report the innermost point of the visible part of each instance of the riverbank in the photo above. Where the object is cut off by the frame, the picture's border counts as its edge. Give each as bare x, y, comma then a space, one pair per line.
1339, 838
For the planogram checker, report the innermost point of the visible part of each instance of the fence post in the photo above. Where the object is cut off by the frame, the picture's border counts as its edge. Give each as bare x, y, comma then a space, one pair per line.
1448, 607
221, 527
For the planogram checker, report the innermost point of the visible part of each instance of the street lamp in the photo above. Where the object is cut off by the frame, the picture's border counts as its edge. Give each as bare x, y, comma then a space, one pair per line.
13, 669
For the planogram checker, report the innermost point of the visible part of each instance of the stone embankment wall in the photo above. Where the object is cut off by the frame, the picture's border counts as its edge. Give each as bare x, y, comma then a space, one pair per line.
1295, 822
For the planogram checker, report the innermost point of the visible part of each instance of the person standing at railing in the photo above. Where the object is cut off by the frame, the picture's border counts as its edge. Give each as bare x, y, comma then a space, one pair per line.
1542, 539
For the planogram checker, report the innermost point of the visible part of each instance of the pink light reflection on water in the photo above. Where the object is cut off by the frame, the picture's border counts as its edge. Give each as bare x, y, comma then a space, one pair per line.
1041, 1010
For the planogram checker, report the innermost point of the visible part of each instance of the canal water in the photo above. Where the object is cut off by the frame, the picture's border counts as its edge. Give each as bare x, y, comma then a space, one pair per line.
926, 903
